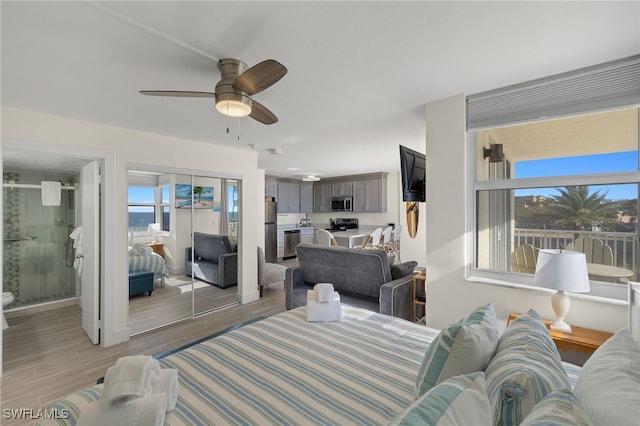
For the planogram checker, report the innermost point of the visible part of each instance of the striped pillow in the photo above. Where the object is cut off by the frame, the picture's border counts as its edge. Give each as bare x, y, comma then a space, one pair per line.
525, 368
460, 400
560, 408
609, 383
462, 348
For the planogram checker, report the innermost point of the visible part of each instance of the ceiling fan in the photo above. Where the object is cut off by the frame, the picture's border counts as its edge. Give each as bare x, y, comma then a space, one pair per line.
237, 84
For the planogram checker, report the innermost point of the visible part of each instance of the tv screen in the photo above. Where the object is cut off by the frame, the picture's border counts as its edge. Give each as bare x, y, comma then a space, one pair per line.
413, 167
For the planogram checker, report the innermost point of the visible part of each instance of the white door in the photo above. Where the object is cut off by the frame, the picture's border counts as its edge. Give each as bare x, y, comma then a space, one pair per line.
90, 277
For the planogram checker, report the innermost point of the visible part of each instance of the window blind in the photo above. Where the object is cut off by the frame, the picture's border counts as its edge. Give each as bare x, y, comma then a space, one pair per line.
599, 87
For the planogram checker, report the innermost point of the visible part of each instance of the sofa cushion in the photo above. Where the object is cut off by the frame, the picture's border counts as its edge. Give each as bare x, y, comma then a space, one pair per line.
210, 247
355, 271
609, 384
403, 269
462, 348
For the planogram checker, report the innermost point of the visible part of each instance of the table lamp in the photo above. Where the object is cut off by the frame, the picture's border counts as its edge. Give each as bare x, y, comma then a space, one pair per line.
562, 270
153, 229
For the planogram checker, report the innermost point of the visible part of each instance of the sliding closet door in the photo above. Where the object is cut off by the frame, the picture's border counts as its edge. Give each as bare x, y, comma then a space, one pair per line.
218, 286
154, 197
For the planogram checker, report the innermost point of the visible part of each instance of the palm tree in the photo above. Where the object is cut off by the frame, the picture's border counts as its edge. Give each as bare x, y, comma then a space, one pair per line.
575, 208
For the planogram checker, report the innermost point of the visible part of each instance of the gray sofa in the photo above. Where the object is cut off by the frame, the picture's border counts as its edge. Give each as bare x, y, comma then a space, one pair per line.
215, 260
357, 273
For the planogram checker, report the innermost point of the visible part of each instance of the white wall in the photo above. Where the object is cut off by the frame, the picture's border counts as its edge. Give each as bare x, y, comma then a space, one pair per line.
24, 129
449, 296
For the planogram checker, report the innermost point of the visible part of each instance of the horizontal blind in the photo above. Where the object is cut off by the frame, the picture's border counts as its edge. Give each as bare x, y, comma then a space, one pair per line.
608, 85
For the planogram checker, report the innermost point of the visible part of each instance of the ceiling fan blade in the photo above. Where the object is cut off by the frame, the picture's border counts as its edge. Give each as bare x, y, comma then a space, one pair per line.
260, 77
260, 113
178, 93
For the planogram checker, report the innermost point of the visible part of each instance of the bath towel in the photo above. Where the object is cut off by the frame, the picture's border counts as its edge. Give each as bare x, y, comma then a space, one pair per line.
131, 377
149, 411
324, 292
76, 236
328, 311
51, 193
167, 384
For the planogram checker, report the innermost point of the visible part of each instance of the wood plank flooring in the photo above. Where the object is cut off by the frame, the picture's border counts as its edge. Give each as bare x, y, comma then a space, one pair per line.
48, 356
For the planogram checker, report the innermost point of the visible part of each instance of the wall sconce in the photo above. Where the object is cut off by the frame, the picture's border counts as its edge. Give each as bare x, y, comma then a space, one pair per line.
494, 152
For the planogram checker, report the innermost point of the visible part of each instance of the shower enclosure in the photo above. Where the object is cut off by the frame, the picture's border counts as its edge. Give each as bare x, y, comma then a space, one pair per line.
37, 251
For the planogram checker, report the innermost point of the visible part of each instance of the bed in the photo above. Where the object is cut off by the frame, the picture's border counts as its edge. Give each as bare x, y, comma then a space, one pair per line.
151, 262
285, 370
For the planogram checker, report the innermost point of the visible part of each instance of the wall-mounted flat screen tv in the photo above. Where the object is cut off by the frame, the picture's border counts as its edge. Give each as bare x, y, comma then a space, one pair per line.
413, 167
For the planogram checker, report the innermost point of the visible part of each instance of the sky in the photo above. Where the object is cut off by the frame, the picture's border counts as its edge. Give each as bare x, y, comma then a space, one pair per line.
586, 164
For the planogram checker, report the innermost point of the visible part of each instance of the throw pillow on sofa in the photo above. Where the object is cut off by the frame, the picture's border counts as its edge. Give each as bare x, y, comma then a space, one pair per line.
403, 269
525, 368
463, 347
609, 384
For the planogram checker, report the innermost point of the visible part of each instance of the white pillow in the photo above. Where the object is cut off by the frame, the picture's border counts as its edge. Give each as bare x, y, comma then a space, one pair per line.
460, 400
461, 348
525, 368
559, 408
609, 384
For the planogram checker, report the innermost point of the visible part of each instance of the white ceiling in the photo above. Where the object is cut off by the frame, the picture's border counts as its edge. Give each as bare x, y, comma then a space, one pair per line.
359, 74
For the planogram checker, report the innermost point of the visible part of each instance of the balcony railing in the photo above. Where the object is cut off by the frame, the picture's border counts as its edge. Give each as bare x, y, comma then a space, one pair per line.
623, 244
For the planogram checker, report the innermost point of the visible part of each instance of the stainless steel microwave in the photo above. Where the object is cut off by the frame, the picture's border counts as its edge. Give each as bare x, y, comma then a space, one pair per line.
342, 204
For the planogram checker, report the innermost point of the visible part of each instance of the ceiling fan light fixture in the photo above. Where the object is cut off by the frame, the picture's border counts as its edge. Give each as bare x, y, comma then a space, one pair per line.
233, 104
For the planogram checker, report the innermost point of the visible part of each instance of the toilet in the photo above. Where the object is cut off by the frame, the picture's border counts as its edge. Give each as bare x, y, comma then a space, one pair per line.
6, 299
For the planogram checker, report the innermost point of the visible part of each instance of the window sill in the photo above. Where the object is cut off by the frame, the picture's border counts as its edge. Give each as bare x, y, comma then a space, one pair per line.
601, 292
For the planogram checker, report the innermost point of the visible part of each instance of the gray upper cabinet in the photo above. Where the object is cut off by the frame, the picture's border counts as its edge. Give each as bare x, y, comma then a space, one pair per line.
306, 197
322, 197
340, 189
271, 188
288, 197
370, 194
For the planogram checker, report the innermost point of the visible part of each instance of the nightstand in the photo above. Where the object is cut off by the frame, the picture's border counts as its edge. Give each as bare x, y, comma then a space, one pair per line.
583, 340
419, 299
158, 248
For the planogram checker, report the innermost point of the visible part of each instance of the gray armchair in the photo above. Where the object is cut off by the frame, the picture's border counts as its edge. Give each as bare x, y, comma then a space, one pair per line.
268, 272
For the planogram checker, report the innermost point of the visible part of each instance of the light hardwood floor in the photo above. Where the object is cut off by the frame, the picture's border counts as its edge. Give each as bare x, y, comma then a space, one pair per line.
47, 355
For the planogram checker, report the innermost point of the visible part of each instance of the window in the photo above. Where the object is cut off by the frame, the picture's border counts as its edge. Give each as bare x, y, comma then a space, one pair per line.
142, 207
555, 164
165, 205
560, 183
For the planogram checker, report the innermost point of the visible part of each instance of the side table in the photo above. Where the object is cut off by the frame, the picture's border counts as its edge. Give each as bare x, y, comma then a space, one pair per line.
158, 248
418, 299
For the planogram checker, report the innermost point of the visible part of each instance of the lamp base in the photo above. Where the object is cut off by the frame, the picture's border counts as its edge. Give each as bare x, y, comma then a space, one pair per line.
560, 325
560, 303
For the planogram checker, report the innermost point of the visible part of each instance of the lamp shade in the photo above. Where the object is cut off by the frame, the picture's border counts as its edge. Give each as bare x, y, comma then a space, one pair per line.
563, 270
153, 228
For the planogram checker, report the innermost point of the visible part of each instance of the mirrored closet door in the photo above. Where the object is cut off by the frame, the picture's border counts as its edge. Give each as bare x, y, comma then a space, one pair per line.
189, 223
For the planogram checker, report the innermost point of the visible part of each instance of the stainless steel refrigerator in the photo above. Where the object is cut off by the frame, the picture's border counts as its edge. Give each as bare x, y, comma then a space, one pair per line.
270, 231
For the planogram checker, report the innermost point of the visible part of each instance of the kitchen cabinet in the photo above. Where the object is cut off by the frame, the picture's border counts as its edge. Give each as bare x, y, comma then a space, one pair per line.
288, 197
271, 188
306, 198
370, 195
322, 197
341, 189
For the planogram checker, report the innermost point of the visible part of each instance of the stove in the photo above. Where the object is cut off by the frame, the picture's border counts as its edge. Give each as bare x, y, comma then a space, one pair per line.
342, 224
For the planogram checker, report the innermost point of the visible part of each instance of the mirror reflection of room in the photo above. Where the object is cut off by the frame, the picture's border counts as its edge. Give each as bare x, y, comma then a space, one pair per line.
182, 246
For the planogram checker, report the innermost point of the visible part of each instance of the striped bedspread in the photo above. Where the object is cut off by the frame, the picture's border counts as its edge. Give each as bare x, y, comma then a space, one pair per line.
283, 370
151, 262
